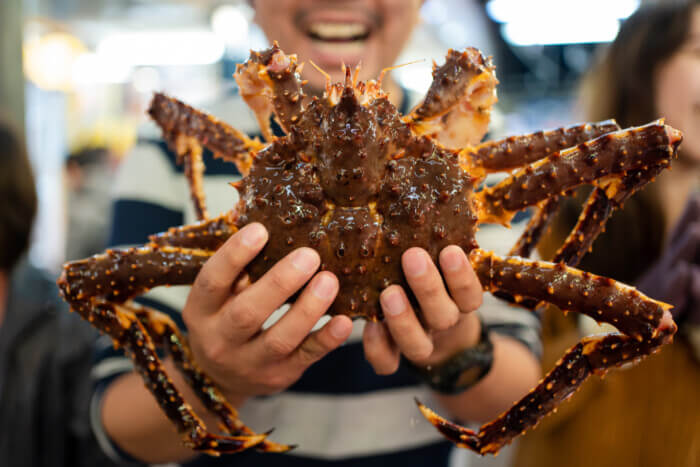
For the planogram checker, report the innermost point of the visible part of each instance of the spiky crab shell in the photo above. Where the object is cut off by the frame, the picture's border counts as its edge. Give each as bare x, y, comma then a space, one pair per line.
354, 183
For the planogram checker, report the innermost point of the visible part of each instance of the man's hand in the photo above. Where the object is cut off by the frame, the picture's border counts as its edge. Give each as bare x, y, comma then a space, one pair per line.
448, 324
225, 327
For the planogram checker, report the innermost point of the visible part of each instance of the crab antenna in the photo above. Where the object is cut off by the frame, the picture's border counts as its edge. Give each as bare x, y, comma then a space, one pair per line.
328, 77
356, 74
388, 69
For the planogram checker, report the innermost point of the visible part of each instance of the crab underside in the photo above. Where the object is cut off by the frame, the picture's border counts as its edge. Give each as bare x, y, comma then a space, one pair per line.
361, 183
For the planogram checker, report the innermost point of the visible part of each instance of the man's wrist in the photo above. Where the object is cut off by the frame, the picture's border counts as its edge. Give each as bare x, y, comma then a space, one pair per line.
462, 370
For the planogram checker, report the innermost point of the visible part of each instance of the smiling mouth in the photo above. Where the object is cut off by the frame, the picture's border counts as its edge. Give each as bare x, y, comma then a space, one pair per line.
338, 40
336, 32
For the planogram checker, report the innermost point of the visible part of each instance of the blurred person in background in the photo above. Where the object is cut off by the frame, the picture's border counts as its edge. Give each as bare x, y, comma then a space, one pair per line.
89, 174
45, 352
339, 410
647, 415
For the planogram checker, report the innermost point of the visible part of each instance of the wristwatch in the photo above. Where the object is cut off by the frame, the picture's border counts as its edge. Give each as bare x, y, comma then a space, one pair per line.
460, 371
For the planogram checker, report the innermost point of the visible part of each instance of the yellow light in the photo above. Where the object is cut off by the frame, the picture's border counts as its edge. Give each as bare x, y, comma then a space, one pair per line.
49, 60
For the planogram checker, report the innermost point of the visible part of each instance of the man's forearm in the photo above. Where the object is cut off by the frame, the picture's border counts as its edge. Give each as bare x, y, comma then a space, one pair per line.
135, 422
514, 372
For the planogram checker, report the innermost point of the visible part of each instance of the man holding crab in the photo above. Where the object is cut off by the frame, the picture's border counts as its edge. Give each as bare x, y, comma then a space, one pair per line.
319, 389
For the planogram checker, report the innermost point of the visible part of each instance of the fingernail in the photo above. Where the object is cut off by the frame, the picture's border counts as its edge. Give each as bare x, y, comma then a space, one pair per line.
253, 235
452, 260
338, 328
323, 287
305, 260
415, 264
392, 303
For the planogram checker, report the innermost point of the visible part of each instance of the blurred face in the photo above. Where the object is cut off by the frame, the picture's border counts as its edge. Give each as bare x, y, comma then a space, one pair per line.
678, 91
332, 32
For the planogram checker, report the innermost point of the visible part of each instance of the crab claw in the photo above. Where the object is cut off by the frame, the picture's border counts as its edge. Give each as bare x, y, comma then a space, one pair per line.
462, 437
217, 445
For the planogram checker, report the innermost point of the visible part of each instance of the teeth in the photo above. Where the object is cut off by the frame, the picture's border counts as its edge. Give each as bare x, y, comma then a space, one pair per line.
340, 48
338, 30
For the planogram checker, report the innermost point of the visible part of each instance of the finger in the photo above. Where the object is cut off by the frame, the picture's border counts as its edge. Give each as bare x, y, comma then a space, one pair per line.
461, 279
319, 343
242, 316
213, 284
286, 335
437, 308
403, 325
241, 283
380, 350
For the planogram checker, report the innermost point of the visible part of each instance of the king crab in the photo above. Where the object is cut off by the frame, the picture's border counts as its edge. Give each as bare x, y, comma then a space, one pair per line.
360, 183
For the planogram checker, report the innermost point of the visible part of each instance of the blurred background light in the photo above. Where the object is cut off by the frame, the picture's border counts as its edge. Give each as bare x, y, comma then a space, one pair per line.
554, 22
92, 68
164, 47
146, 80
509, 11
49, 60
415, 76
230, 23
523, 33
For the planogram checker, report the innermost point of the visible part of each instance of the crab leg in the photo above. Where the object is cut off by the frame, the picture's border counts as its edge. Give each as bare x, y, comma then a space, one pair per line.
207, 235
516, 151
535, 228
457, 107
177, 118
647, 324
598, 208
269, 82
601, 298
118, 275
165, 334
128, 333
595, 213
189, 153
95, 287
603, 161
593, 355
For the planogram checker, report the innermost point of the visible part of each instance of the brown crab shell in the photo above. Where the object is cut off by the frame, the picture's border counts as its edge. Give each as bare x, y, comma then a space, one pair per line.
352, 182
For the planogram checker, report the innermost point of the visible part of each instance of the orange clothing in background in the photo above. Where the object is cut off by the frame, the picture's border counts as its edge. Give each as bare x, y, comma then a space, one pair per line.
644, 416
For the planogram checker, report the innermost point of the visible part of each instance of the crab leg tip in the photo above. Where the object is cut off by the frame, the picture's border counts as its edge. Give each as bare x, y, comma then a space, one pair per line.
215, 446
674, 136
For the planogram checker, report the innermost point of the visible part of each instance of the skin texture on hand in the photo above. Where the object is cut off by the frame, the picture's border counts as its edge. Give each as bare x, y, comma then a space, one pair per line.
449, 324
224, 315
225, 328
